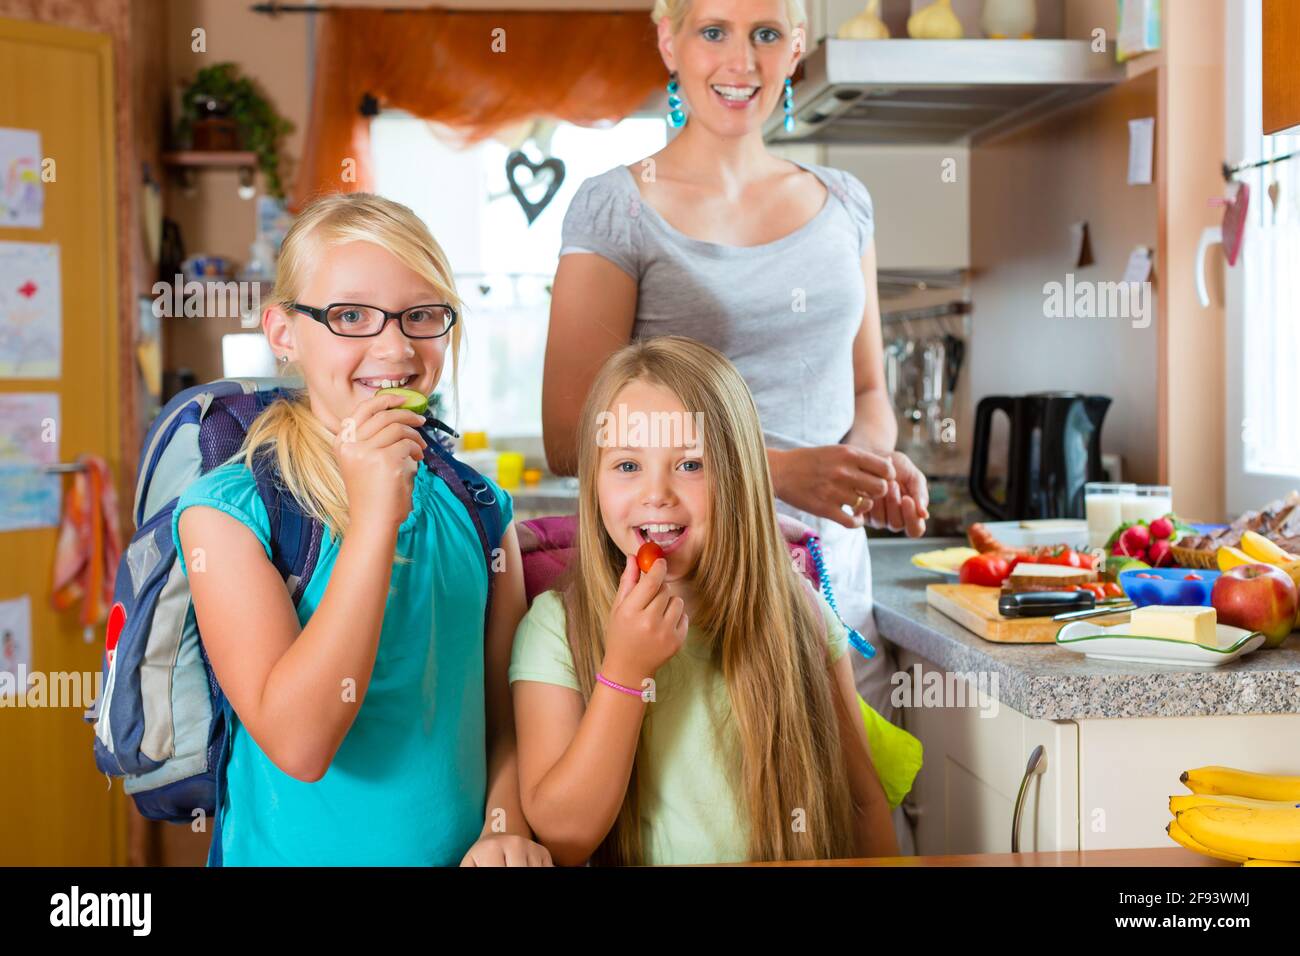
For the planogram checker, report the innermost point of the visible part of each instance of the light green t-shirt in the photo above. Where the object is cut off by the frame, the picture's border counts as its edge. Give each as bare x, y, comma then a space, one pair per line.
691, 807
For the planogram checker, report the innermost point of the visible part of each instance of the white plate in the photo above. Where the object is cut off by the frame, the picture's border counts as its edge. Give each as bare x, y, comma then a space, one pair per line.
1114, 644
1071, 531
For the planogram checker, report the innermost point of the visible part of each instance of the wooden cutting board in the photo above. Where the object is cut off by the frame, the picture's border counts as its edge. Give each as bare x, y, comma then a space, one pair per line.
976, 609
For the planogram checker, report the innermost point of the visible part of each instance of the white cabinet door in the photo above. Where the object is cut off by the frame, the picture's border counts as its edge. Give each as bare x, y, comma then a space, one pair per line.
975, 758
1130, 767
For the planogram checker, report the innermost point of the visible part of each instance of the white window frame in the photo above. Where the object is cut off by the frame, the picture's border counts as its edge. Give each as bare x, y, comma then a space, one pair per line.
1243, 121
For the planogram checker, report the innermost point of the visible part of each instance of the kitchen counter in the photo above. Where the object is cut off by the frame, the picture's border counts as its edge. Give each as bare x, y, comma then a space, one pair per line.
1144, 856
1048, 682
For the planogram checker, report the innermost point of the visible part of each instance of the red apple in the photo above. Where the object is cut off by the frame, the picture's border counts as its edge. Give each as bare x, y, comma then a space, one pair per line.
1258, 597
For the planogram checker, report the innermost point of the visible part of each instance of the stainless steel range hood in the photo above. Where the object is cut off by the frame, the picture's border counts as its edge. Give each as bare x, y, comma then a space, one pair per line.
937, 91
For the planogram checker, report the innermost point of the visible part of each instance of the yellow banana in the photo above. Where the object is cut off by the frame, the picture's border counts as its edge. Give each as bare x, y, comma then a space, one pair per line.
1269, 863
1185, 801
1179, 835
1262, 549
1245, 831
1228, 557
1242, 783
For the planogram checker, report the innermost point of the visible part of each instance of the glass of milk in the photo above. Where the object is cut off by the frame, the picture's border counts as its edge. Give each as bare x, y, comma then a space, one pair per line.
1103, 506
1147, 503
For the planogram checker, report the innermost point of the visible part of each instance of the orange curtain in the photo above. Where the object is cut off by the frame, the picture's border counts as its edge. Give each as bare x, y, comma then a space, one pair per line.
478, 72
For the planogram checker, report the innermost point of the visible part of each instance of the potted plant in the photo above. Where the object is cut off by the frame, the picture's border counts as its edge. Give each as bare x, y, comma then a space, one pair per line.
218, 97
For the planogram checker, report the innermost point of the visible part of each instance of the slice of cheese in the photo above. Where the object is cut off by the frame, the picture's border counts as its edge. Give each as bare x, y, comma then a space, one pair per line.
1194, 624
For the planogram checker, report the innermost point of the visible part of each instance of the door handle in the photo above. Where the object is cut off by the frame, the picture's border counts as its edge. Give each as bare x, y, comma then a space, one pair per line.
1036, 767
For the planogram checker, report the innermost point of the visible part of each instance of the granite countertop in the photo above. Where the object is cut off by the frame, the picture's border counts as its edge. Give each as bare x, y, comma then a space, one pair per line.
1049, 682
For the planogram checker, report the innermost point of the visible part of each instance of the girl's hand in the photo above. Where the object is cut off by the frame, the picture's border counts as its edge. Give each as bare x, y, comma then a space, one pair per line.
379, 452
647, 625
824, 479
506, 849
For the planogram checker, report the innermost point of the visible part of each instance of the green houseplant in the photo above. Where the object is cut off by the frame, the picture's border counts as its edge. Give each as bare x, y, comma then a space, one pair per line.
260, 126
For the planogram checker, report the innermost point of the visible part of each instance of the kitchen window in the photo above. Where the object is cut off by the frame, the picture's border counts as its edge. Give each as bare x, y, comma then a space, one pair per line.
503, 265
1262, 292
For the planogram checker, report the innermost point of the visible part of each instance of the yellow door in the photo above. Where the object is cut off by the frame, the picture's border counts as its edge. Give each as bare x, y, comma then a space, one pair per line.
55, 807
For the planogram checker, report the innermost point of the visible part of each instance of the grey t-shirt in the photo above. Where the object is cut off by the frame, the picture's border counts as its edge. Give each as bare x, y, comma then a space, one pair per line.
784, 312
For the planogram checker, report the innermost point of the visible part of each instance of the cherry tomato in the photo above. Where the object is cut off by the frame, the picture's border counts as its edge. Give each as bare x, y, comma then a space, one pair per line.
1193, 577
1064, 555
989, 570
647, 555
1113, 589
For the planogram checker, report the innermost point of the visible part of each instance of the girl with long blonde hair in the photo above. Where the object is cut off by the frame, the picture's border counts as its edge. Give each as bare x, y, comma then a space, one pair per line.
371, 719
703, 710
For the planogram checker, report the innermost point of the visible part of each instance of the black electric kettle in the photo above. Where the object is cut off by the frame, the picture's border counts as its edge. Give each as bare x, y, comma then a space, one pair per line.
1053, 451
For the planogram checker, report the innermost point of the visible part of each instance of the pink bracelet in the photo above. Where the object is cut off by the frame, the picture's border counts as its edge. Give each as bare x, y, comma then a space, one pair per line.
609, 683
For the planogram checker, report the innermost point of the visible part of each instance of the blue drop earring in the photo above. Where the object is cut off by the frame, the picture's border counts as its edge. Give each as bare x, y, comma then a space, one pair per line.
789, 105
676, 115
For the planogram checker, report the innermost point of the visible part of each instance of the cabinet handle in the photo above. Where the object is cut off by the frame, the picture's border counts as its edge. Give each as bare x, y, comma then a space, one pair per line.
1037, 765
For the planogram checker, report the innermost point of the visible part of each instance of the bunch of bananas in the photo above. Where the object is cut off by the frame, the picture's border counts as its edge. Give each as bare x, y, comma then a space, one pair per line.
1257, 549
1247, 818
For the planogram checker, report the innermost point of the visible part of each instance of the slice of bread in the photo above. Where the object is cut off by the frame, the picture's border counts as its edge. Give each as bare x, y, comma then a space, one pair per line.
1047, 577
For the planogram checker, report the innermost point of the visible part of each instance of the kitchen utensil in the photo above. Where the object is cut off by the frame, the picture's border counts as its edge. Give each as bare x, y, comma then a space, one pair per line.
976, 609
1053, 451
1045, 603
1119, 606
1112, 644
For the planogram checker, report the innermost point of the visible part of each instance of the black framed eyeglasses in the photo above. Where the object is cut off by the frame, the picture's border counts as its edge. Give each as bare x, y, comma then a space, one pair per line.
354, 320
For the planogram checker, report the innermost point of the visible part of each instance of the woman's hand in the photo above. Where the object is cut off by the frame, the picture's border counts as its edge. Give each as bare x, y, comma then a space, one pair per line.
379, 452
647, 625
506, 849
907, 503
822, 480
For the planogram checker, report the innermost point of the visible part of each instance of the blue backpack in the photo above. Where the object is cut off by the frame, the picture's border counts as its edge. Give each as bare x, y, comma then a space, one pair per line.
161, 721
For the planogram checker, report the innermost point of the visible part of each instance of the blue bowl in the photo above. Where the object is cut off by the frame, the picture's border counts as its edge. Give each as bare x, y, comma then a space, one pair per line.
1168, 587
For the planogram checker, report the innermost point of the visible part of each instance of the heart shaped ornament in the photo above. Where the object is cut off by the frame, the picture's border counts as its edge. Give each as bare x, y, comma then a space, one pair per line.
550, 171
1234, 222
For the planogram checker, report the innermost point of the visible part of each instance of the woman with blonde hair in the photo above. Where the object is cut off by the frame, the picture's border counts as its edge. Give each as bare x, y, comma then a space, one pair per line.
371, 718
769, 261
703, 710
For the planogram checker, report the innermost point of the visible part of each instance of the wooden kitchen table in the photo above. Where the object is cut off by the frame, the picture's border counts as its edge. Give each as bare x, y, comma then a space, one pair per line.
1140, 857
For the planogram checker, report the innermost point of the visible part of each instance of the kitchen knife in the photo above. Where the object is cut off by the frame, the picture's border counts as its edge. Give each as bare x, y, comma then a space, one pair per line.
1045, 603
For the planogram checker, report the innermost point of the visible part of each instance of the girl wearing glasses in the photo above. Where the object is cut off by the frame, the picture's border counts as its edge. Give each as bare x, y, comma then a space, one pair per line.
372, 721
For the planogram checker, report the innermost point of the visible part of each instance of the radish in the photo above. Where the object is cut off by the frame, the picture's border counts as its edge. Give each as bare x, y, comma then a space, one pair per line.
1135, 540
1161, 553
1162, 528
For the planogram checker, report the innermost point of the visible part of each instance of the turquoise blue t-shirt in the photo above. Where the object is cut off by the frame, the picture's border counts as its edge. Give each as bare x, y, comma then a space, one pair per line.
408, 785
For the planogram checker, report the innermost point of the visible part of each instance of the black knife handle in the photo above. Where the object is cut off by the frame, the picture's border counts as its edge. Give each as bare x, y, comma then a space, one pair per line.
1045, 603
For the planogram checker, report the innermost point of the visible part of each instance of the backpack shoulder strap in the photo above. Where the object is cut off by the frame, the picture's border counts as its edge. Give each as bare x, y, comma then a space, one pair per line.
295, 536
475, 494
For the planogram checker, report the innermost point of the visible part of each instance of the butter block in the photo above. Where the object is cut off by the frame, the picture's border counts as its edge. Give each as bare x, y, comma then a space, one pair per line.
1196, 625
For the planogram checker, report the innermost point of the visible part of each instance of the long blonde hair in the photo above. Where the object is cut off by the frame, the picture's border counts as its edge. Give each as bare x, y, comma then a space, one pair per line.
756, 613
288, 429
676, 10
